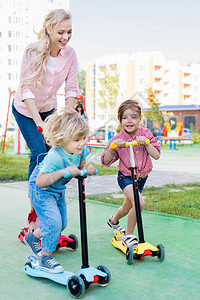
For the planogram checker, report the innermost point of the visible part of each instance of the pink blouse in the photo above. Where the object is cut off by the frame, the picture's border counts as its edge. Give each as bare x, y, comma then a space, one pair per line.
45, 98
141, 156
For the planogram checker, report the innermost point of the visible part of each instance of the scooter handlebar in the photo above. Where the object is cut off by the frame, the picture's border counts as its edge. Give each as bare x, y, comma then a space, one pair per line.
83, 172
113, 145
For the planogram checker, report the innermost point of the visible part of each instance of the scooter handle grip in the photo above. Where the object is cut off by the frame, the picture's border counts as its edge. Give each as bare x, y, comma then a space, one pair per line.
39, 128
113, 145
83, 172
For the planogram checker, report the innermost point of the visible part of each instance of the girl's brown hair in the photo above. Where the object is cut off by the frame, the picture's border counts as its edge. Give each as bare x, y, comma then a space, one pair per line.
132, 104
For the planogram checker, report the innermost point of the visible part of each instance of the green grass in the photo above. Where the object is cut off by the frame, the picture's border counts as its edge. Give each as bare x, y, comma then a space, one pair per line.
180, 200
13, 168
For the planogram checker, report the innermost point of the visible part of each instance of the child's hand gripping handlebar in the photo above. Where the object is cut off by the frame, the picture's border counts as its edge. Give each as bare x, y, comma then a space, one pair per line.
133, 143
83, 172
130, 145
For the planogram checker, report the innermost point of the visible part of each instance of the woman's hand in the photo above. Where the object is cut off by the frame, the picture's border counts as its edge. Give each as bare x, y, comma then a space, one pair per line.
91, 169
73, 170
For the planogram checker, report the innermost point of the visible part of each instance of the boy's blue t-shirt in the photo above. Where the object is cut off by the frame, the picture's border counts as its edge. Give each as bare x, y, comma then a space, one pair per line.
59, 159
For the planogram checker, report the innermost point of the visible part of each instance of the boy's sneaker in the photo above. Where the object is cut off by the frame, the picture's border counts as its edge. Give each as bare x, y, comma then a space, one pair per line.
49, 264
130, 240
33, 243
116, 226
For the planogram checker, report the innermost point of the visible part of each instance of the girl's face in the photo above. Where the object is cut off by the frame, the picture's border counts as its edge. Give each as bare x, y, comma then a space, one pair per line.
130, 121
75, 147
60, 36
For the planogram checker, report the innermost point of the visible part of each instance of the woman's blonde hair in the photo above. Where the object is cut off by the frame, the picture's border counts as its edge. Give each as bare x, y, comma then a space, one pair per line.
64, 126
42, 48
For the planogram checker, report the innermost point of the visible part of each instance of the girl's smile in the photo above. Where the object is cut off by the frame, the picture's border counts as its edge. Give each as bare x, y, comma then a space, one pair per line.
130, 121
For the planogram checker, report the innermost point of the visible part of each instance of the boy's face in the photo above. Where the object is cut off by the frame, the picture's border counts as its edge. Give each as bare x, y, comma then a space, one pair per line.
75, 147
130, 121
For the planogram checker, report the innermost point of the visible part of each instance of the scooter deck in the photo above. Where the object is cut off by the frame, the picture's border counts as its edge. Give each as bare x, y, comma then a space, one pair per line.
59, 277
118, 244
143, 249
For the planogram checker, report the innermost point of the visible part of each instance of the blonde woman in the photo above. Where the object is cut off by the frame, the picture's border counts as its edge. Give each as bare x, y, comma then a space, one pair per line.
46, 65
47, 182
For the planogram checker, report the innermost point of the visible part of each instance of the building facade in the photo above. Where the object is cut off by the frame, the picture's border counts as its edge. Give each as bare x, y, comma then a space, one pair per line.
172, 84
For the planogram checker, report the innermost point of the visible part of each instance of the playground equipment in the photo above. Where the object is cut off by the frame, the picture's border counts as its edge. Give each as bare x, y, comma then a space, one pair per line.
143, 248
75, 283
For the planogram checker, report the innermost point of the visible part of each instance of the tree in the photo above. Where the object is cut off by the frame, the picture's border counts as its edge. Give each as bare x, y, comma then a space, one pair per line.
109, 88
81, 82
109, 93
153, 114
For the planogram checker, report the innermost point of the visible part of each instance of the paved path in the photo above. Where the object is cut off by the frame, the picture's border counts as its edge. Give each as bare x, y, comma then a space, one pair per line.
182, 166
108, 183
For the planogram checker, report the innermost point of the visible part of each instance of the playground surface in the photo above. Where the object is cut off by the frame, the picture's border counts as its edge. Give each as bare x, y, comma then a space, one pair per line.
177, 277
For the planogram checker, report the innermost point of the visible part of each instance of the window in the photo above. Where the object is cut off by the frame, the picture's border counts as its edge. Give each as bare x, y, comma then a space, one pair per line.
9, 62
142, 68
9, 48
102, 117
142, 80
188, 120
9, 19
92, 83
9, 76
9, 33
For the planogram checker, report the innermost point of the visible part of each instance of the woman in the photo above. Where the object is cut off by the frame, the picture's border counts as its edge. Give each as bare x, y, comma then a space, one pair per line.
79, 108
46, 65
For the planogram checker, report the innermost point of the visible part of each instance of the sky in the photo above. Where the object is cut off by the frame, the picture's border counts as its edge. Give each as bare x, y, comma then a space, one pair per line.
104, 27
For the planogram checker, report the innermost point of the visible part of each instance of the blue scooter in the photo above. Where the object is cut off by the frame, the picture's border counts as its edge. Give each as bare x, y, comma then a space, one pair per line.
75, 283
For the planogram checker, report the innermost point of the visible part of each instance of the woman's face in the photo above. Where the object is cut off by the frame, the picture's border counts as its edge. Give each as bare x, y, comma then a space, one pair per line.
60, 36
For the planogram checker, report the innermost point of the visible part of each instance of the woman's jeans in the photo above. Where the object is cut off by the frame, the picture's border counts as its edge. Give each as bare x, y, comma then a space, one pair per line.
50, 206
33, 138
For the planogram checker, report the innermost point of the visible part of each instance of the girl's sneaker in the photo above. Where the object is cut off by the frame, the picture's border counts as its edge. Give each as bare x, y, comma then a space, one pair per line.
130, 240
116, 226
49, 264
33, 244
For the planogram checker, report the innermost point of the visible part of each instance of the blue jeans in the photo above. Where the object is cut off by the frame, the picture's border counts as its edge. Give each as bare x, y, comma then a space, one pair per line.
123, 181
50, 206
33, 138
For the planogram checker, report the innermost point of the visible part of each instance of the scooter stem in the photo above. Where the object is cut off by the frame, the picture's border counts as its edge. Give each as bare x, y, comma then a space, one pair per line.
136, 195
84, 246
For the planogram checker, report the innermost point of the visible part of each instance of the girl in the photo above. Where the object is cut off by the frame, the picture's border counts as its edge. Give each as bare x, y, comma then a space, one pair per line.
79, 108
47, 182
46, 65
129, 116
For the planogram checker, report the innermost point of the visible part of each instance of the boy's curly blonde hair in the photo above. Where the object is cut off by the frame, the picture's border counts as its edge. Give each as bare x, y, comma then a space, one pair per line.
64, 126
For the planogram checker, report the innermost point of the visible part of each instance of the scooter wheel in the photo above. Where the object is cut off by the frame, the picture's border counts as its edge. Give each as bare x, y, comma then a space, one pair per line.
104, 281
129, 255
74, 244
161, 254
76, 286
28, 264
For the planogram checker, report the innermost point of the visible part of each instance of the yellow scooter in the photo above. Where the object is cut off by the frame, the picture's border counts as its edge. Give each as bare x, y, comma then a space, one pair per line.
143, 248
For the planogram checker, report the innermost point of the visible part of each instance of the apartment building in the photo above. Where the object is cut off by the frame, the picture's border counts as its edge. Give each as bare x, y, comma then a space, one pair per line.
172, 84
18, 20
